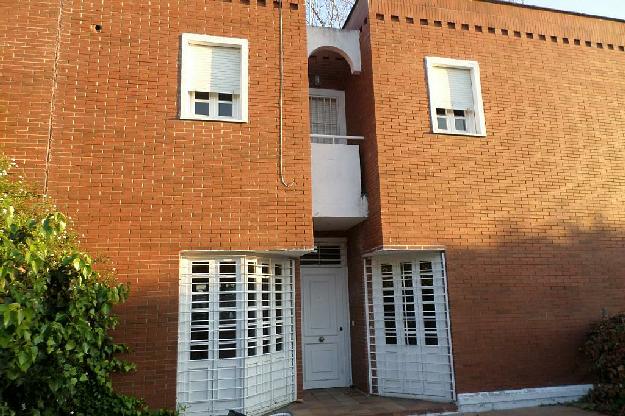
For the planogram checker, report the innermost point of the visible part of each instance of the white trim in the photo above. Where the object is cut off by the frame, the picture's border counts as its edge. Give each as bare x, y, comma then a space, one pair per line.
340, 105
186, 113
474, 67
368, 262
333, 139
344, 42
513, 399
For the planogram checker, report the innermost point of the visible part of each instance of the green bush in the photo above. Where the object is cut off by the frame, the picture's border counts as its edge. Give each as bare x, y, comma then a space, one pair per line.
605, 347
56, 354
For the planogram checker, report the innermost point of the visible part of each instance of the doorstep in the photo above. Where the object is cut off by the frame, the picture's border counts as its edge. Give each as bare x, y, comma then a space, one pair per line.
353, 402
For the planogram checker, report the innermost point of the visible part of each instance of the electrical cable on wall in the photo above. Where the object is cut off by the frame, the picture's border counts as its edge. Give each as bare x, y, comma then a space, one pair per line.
55, 71
281, 104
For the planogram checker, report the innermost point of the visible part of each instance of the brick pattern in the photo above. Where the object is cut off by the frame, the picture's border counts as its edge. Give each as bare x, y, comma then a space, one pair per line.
452, 25
140, 184
27, 60
531, 216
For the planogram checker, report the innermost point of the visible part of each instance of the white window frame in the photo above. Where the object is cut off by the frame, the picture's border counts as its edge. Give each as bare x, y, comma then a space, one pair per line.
340, 105
476, 119
239, 104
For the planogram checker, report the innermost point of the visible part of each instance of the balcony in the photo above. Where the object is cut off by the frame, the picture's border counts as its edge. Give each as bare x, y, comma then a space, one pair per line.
338, 201
334, 65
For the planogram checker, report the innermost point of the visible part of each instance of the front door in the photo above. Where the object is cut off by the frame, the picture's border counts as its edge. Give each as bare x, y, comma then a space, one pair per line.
325, 328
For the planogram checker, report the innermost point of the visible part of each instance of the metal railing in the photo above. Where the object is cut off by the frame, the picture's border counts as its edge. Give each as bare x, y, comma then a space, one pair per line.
333, 139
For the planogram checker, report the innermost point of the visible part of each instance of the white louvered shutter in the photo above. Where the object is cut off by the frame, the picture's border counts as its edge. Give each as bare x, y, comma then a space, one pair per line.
215, 69
452, 89
324, 115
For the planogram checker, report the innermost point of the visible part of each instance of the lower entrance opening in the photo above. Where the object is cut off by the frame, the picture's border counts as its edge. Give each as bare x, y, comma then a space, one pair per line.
325, 319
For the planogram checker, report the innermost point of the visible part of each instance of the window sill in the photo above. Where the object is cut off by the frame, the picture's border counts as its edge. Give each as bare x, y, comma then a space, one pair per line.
449, 133
218, 119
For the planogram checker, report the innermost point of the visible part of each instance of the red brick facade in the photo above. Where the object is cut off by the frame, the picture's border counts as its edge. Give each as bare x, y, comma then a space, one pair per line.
139, 183
530, 216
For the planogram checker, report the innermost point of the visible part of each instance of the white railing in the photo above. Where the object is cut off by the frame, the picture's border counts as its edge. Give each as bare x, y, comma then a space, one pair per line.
332, 138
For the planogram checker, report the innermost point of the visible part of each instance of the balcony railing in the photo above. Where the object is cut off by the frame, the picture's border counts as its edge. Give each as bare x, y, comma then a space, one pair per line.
334, 139
338, 203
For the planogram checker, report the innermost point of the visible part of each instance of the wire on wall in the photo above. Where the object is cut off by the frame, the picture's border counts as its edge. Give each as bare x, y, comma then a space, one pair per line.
55, 71
281, 103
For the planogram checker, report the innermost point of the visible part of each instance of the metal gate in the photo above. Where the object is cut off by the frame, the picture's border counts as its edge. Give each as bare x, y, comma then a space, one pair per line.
408, 326
236, 335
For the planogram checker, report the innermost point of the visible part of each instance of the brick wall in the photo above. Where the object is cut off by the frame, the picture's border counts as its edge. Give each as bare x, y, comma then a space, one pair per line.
28, 34
140, 184
531, 216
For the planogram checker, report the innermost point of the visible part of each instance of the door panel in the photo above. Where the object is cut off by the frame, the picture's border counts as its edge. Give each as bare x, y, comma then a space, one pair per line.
321, 316
325, 335
322, 362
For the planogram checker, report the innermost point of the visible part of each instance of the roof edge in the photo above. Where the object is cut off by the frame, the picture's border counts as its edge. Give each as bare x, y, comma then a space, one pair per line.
522, 6
548, 9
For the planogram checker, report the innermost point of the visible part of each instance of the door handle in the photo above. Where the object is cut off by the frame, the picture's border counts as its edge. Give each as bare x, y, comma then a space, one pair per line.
321, 339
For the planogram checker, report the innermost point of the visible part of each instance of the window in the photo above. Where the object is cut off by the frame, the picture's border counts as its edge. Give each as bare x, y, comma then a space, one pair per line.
213, 78
327, 112
264, 309
455, 97
389, 302
323, 255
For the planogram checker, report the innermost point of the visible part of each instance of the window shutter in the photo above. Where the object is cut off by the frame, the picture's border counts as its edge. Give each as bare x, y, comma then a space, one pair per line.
324, 115
453, 88
215, 69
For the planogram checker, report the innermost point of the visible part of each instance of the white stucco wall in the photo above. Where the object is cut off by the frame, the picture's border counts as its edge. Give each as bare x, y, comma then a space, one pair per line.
344, 42
336, 184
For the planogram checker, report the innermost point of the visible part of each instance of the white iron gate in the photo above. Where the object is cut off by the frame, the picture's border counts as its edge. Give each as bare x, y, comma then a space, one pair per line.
409, 339
236, 335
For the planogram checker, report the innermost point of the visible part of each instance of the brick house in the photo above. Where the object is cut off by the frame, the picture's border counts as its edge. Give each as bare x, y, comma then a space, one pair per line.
434, 211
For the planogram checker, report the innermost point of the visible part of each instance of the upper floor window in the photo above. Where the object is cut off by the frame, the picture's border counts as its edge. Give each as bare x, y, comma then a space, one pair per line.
327, 112
213, 78
456, 105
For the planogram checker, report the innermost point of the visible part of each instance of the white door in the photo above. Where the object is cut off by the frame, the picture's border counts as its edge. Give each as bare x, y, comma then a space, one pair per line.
325, 328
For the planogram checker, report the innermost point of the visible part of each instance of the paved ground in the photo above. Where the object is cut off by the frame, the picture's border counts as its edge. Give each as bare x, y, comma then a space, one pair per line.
352, 402
540, 411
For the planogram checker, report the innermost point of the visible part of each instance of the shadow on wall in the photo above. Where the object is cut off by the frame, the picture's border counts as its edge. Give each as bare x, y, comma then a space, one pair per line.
520, 308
